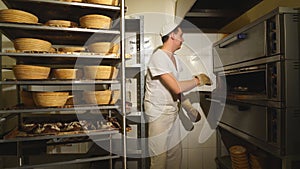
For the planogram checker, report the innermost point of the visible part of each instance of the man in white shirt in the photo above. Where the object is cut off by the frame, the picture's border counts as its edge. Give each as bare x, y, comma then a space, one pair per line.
163, 91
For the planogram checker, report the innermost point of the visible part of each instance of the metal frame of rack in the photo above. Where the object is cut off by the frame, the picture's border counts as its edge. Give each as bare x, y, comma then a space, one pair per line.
56, 34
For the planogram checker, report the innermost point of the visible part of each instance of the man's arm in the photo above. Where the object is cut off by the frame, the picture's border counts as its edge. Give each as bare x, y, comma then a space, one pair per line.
177, 87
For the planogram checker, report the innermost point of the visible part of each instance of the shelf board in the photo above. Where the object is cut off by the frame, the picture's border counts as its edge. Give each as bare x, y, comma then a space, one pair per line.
58, 35
48, 137
76, 161
76, 108
72, 11
58, 82
52, 55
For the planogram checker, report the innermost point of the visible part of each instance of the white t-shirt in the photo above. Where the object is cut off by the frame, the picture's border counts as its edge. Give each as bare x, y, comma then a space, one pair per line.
160, 63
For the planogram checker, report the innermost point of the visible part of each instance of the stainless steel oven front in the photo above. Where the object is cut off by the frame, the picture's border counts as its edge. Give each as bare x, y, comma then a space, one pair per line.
259, 65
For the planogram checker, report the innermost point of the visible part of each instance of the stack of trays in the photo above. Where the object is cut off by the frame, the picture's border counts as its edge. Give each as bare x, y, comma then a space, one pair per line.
239, 157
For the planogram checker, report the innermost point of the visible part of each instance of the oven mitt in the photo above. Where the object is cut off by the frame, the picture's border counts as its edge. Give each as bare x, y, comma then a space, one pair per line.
193, 113
186, 122
204, 79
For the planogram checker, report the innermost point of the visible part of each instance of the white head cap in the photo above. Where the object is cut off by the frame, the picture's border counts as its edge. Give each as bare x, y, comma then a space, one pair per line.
168, 28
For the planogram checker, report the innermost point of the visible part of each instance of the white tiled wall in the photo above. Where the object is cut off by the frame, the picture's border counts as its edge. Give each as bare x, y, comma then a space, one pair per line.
198, 155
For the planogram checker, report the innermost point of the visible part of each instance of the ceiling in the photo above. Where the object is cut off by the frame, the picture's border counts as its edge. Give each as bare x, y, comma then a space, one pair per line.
212, 15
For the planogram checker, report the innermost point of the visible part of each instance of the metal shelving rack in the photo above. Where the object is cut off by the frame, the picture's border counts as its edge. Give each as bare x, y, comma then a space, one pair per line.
44, 9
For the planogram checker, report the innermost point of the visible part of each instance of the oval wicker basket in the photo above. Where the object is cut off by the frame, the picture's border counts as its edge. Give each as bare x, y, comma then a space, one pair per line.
95, 21
97, 97
100, 72
50, 99
115, 96
65, 73
31, 44
23, 72
18, 16
104, 2
26, 98
61, 23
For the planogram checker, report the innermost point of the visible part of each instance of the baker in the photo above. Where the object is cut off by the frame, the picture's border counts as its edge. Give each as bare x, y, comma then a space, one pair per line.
163, 91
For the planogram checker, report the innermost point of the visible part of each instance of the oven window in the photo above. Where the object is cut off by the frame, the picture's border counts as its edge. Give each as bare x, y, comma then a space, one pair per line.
247, 83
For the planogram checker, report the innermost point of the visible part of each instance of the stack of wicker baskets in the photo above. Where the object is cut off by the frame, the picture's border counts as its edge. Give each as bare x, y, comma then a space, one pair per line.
100, 72
95, 21
17, 16
24, 72
239, 157
32, 45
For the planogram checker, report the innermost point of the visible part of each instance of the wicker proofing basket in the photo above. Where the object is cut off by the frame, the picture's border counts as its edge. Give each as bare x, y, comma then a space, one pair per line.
31, 44
61, 23
95, 21
50, 99
31, 72
18, 16
97, 97
104, 2
65, 73
100, 72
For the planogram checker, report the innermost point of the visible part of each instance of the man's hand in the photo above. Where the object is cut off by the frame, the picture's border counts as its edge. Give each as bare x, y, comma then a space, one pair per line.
203, 79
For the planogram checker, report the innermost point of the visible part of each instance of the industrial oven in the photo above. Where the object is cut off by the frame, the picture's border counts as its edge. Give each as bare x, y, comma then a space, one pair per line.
258, 66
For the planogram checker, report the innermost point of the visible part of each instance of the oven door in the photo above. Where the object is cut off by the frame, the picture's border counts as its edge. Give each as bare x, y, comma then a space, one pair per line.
247, 118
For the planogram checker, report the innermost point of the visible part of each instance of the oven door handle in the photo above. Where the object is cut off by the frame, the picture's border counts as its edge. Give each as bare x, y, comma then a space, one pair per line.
236, 38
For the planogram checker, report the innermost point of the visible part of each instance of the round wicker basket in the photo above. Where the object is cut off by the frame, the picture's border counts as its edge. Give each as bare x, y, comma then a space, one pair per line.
23, 72
100, 72
95, 21
31, 44
104, 2
50, 99
18, 16
64, 73
97, 97
61, 23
